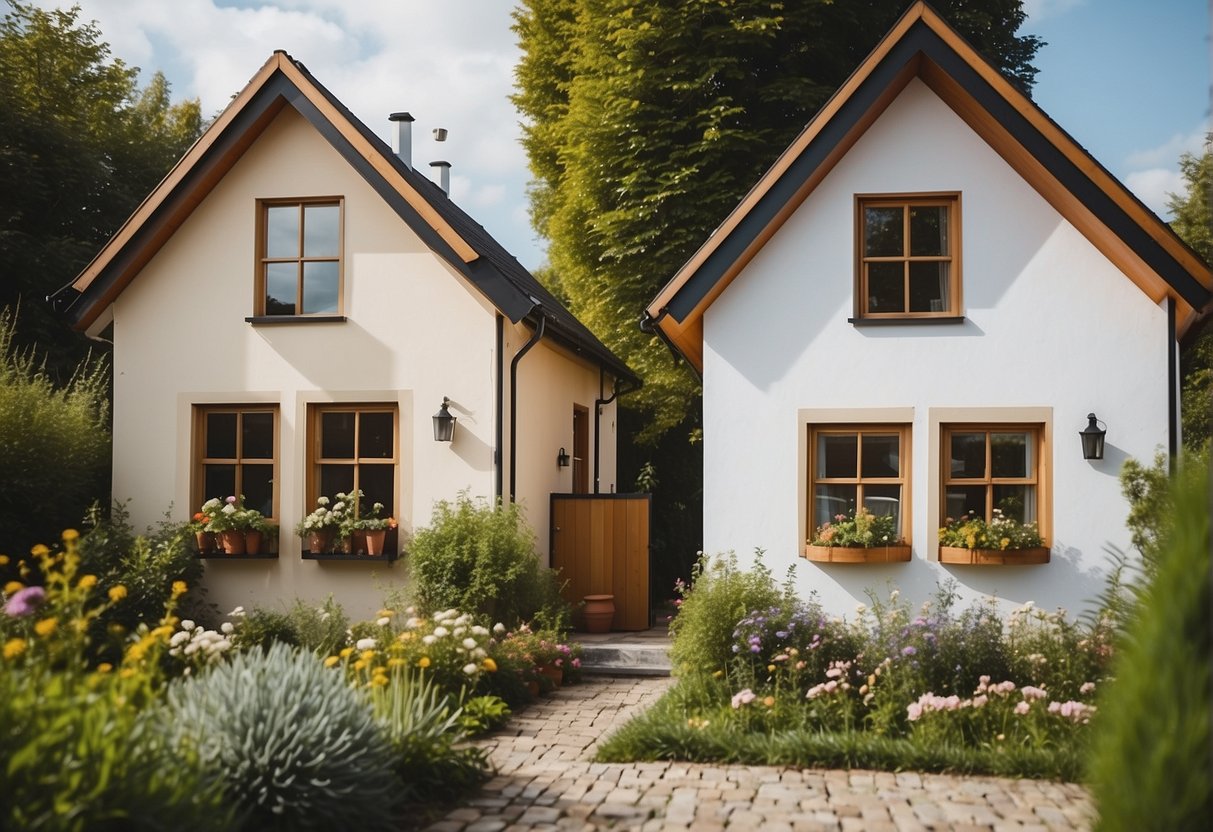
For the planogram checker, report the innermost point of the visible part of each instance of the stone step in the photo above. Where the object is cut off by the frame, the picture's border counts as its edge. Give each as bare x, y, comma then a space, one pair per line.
607, 659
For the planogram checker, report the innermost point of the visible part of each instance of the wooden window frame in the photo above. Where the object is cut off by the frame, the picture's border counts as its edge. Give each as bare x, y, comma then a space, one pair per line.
199, 460
1038, 477
314, 446
903, 430
263, 206
948, 199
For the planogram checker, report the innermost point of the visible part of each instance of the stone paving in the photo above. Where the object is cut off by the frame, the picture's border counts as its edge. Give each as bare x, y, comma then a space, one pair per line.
545, 780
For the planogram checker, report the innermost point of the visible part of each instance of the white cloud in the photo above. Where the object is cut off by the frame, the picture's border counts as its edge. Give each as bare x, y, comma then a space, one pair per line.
1155, 186
1038, 10
1168, 152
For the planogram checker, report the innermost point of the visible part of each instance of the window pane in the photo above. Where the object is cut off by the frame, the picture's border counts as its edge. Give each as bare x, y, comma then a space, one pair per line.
1011, 454
257, 483
886, 287
929, 287
336, 479
320, 287
965, 499
378, 484
881, 455
337, 436
837, 455
884, 499
282, 231
968, 456
831, 501
218, 481
376, 439
928, 231
321, 225
257, 439
1018, 502
220, 436
281, 286
883, 232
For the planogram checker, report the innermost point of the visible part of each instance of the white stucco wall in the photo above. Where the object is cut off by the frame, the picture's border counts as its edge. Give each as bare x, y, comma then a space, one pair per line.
1050, 324
415, 332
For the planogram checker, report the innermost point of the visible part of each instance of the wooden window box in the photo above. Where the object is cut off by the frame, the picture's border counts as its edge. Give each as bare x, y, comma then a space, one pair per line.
223, 556
857, 554
388, 556
994, 557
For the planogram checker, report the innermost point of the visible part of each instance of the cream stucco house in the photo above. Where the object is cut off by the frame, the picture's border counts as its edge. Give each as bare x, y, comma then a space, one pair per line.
915, 310
290, 308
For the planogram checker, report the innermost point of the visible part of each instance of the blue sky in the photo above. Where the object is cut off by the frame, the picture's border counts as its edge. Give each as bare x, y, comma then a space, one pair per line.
1128, 79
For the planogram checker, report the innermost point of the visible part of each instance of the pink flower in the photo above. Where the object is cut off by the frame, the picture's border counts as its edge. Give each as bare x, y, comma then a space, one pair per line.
913, 712
1087, 687
576, 662
25, 601
743, 697
1022, 708
1030, 692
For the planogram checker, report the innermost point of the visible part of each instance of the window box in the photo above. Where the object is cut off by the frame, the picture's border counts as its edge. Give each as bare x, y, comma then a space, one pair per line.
994, 557
897, 553
219, 555
388, 556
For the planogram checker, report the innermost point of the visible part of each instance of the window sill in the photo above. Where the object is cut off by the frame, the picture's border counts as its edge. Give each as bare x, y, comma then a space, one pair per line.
857, 554
386, 556
934, 320
222, 556
258, 320
994, 557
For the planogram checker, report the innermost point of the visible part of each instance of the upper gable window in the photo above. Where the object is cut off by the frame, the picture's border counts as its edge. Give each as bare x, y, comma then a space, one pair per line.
299, 257
909, 256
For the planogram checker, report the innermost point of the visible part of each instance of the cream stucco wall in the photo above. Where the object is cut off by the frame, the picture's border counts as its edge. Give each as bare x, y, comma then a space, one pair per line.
415, 332
1052, 329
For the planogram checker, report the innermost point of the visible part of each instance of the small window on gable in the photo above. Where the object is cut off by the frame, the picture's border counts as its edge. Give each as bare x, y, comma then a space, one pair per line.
909, 256
299, 257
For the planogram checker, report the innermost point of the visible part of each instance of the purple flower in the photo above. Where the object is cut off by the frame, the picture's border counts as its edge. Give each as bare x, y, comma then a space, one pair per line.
908, 650
231, 501
781, 634
25, 601
754, 648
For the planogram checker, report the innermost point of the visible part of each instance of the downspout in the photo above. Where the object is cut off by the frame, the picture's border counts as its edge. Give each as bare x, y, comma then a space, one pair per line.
600, 403
514, 395
500, 408
648, 324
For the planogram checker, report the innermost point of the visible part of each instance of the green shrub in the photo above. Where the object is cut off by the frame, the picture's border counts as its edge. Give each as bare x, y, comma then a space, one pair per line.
321, 629
482, 560
720, 595
262, 628
1147, 490
55, 454
292, 744
1151, 765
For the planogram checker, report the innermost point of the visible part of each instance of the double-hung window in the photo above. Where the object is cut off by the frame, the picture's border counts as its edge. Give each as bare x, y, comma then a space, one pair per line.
909, 256
299, 257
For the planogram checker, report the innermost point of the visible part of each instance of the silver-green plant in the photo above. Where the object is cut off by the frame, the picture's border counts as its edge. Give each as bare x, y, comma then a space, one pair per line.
294, 746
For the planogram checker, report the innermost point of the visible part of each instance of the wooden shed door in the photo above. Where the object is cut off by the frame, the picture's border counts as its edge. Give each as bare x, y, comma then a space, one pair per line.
600, 544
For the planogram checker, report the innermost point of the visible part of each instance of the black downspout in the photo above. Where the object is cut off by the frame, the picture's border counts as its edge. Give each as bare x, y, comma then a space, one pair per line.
514, 397
598, 405
500, 407
1172, 389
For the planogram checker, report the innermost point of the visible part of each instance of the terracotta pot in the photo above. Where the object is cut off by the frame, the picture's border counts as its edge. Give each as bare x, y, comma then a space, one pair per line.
359, 541
346, 545
319, 542
206, 542
553, 674
232, 542
252, 542
374, 541
599, 611
533, 689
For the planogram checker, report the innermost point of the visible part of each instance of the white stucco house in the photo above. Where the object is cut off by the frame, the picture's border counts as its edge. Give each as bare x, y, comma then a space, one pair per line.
289, 309
915, 310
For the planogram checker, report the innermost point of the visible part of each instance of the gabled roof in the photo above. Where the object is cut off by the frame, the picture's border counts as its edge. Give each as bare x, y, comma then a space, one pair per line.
922, 45
425, 208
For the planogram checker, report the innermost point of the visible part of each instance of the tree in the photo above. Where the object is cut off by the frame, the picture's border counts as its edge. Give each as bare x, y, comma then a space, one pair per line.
648, 122
80, 146
1193, 221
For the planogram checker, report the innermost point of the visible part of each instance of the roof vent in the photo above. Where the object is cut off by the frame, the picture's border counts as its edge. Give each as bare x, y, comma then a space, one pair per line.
442, 174
402, 137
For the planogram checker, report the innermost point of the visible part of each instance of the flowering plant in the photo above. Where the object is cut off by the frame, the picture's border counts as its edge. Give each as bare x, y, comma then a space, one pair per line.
861, 529
322, 517
229, 515
973, 532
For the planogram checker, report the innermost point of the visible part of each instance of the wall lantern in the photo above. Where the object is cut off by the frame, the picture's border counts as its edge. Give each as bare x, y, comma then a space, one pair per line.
444, 423
562, 459
1092, 438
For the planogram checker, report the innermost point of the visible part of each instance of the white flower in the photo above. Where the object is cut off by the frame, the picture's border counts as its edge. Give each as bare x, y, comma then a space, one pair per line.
228, 509
178, 639
365, 644
187, 624
428, 640
236, 613
469, 644
384, 621
894, 595
860, 609
498, 628
441, 632
413, 623
227, 627
480, 631
470, 668
479, 654
459, 631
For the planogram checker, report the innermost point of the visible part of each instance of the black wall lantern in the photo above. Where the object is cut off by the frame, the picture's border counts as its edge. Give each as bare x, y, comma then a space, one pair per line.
444, 423
562, 459
1092, 438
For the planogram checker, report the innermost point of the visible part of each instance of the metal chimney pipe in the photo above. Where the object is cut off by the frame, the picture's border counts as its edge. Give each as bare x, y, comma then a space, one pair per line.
443, 175
402, 137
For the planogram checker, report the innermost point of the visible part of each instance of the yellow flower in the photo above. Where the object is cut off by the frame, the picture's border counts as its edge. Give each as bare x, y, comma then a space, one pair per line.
358, 665
367, 655
424, 661
379, 681
331, 660
770, 668
163, 631
70, 534
14, 647
138, 650
345, 652
13, 586
88, 581
769, 701
40, 550
385, 613
395, 662
3, 560
1004, 543
46, 626
126, 672
179, 588
717, 674
104, 667
117, 592
489, 665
